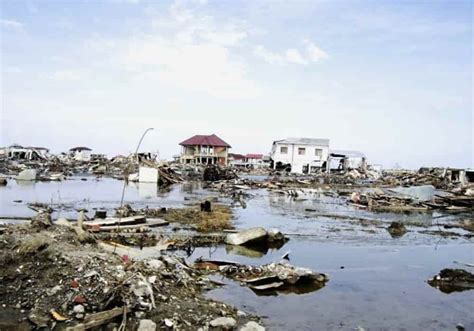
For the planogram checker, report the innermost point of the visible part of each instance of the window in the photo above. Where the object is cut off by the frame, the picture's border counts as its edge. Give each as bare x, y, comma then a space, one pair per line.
318, 152
301, 151
284, 150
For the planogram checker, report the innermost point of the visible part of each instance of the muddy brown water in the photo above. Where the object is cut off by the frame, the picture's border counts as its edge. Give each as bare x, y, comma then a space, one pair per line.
376, 282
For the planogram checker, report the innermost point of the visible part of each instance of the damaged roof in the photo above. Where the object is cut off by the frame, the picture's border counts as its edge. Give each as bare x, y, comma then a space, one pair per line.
237, 156
345, 153
80, 148
205, 140
304, 141
254, 156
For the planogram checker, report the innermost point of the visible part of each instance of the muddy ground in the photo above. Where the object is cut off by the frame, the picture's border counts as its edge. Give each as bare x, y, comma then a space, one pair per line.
52, 280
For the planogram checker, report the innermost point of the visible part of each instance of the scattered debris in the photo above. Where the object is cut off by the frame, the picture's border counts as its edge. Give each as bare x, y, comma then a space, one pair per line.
281, 276
85, 286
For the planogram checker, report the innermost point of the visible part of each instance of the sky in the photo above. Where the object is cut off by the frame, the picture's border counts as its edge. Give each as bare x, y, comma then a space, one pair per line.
392, 79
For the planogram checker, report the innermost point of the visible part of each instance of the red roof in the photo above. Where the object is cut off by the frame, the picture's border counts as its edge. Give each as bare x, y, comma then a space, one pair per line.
237, 156
254, 156
203, 140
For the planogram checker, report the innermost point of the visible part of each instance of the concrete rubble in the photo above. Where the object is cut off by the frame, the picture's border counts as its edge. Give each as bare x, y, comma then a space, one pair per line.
256, 237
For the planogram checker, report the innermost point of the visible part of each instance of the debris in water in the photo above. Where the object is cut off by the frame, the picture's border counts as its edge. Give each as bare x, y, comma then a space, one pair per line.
453, 280
397, 229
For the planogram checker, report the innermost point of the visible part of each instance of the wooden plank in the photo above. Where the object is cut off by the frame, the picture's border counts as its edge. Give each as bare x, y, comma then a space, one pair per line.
139, 219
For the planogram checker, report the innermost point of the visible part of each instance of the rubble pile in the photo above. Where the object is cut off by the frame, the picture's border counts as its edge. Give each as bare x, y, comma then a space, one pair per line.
441, 178
60, 167
414, 198
52, 278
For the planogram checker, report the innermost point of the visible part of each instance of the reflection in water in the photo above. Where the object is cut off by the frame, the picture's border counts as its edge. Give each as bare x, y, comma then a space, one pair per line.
254, 250
26, 183
449, 288
246, 251
147, 190
301, 288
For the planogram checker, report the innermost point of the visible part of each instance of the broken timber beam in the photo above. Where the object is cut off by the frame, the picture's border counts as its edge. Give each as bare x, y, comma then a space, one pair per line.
93, 320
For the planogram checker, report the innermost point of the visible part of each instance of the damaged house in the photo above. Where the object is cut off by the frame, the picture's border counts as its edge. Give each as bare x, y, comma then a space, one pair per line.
17, 152
347, 160
300, 155
204, 149
255, 160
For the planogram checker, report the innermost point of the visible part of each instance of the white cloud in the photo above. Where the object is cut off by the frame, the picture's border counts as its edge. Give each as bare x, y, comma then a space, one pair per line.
192, 25
204, 67
311, 53
11, 24
186, 49
294, 56
67, 75
268, 56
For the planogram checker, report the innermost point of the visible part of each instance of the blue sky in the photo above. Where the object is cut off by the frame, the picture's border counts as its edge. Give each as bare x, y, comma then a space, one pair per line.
390, 78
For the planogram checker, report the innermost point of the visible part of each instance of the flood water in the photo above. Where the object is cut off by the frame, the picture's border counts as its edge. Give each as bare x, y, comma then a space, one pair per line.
376, 282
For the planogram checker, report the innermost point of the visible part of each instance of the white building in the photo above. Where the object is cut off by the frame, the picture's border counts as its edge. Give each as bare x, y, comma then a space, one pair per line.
81, 153
303, 155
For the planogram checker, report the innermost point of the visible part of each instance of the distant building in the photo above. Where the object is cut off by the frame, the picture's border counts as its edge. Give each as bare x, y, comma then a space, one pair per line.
236, 160
80, 153
205, 149
254, 160
300, 155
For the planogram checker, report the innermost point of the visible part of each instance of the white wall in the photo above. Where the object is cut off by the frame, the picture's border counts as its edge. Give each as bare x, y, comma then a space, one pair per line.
82, 155
296, 160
